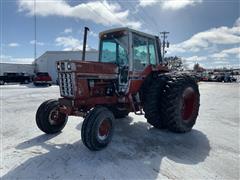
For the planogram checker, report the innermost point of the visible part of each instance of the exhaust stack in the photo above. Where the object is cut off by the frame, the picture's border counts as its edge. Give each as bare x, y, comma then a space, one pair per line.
86, 29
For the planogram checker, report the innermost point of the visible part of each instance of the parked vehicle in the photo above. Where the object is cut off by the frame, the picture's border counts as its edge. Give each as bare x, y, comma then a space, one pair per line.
42, 78
14, 77
129, 77
226, 77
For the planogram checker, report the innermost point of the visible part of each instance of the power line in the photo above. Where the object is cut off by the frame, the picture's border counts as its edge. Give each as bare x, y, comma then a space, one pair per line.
109, 10
96, 13
152, 24
150, 18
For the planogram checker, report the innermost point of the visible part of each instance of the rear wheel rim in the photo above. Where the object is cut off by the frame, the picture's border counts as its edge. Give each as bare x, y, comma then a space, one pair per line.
188, 103
104, 129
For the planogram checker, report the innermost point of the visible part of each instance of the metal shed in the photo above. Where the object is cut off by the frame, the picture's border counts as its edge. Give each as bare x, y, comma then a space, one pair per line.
18, 68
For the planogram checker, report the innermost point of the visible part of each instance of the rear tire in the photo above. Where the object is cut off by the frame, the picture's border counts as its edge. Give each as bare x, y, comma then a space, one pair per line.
151, 102
97, 128
180, 103
49, 119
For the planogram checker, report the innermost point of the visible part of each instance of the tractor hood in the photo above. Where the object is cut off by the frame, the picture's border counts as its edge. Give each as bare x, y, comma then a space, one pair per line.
89, 69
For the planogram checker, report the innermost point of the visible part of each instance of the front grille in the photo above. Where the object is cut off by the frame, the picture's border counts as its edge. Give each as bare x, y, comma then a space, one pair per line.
66, 83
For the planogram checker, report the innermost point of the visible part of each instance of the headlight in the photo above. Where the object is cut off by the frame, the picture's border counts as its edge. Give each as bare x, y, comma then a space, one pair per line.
58, 66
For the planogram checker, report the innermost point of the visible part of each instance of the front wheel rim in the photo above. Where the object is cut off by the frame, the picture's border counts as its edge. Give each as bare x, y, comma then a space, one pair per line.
56, 118
104, 129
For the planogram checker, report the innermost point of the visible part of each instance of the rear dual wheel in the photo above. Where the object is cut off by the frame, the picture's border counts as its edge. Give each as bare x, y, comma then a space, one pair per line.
172, 102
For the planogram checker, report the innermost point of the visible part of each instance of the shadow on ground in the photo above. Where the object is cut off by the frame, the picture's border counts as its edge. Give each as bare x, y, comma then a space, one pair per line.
136, 152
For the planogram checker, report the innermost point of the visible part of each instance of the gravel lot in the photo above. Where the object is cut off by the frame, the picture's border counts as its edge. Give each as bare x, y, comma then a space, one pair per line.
138, 151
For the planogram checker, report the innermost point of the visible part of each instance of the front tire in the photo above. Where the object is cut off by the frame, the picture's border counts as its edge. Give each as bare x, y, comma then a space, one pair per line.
97, 128
49, 119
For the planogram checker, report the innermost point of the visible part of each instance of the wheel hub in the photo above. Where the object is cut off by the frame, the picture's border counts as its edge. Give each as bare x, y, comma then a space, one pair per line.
188, 103
104, 129
55, 117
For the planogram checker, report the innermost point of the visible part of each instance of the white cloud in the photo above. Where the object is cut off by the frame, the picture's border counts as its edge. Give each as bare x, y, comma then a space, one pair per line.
10, 59
69, 43
93, 34
179, 4
144, 3
220, 62
196, 58
237, 23
170, 4
100, 12
37, 43
221, 58
224, 54
68, 30
202, 40
13, 45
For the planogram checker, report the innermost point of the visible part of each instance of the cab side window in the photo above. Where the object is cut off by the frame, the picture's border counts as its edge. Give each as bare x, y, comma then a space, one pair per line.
140, 52
152, 50
109, 51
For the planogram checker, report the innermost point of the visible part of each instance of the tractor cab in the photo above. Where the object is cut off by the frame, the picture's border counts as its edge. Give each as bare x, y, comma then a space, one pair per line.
132, 51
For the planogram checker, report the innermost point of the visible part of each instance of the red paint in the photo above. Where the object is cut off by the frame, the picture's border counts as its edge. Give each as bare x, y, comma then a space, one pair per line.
188, 103
104, 128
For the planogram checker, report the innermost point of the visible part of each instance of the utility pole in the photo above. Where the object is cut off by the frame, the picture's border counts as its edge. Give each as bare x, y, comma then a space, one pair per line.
35, 38
165, 44
35, 31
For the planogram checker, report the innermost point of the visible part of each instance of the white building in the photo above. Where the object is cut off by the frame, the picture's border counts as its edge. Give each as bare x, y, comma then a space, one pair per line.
47, 61
18, 68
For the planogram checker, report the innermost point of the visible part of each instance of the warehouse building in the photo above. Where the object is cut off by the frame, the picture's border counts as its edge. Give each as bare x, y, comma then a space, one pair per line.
47, 61
16, 68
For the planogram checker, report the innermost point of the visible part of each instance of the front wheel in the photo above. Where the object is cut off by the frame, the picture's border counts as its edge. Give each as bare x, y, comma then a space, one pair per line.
49, 119
97, 128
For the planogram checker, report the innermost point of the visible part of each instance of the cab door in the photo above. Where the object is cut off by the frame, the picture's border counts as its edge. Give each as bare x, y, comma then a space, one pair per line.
144, 60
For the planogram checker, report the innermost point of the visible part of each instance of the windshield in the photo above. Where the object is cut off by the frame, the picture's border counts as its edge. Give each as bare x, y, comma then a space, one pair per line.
114, 50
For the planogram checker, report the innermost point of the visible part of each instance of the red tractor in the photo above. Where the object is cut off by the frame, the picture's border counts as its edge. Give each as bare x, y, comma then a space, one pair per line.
129, 77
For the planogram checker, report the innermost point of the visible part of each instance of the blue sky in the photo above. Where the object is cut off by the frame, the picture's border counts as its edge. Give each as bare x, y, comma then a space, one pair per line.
207, 32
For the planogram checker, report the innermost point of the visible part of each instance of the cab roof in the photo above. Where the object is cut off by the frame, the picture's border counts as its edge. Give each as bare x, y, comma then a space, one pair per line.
126, 29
